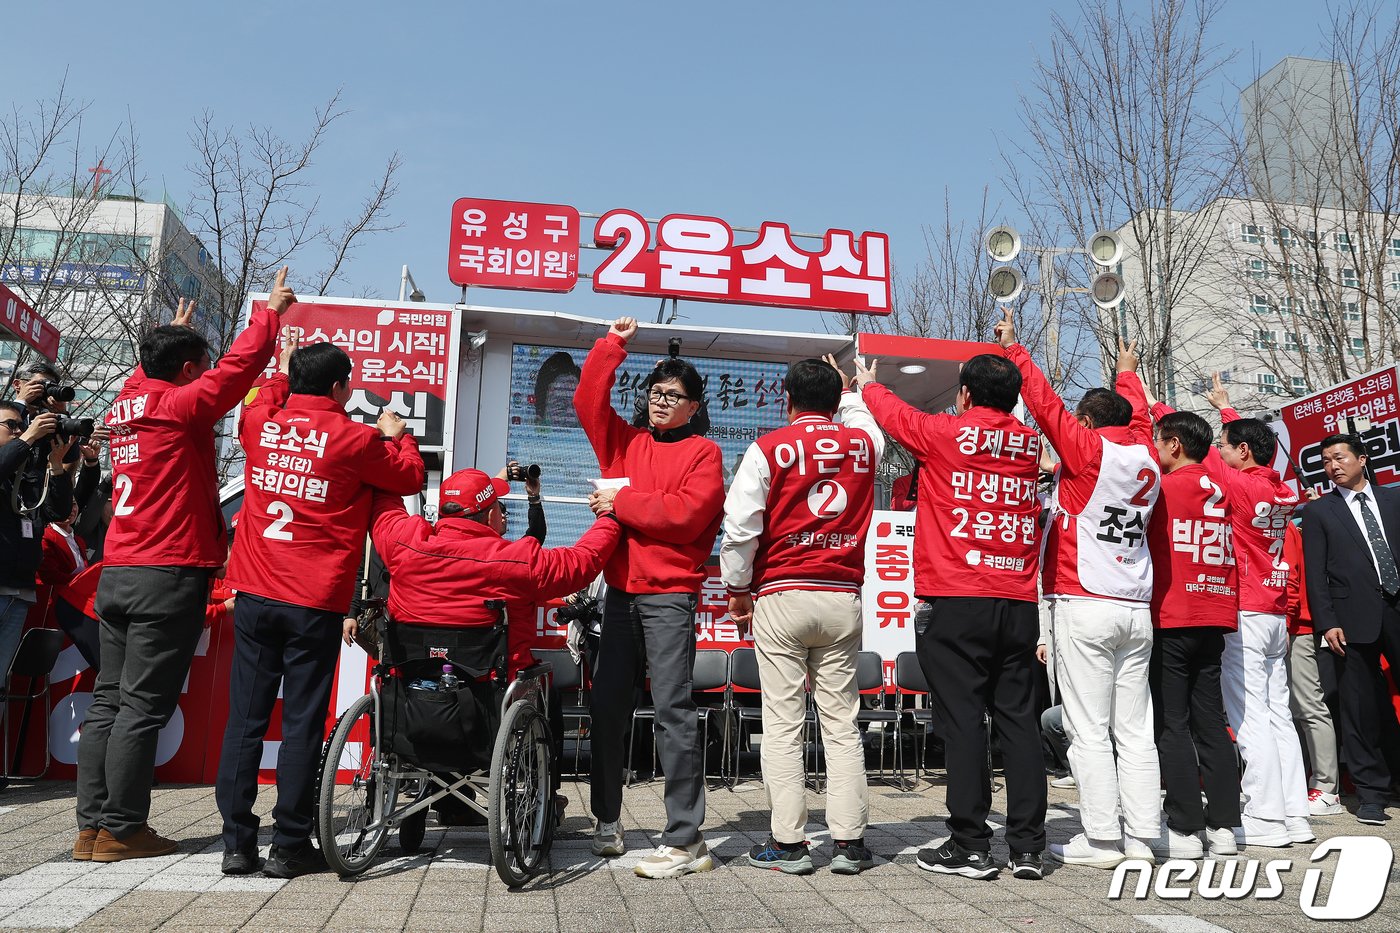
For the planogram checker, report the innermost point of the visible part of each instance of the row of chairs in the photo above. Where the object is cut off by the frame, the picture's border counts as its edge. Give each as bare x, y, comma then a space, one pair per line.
727, 676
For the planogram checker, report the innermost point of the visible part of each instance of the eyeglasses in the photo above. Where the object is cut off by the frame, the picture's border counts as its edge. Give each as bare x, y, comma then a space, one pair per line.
667, 398
14, 424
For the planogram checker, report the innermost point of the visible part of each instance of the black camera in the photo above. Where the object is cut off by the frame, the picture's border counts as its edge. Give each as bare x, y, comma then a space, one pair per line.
579, 608
57, 392
519, 474
74, 427
673, 348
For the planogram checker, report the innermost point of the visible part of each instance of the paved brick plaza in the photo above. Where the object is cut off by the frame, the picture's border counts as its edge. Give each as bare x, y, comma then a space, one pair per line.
455, 889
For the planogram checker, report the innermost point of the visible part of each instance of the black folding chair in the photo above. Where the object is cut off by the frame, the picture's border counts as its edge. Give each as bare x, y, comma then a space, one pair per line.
711, 677
743, 679
870, 681
35, 658
909, 680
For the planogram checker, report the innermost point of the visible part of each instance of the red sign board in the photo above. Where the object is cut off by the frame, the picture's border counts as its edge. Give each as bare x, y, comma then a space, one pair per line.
513, 244
517, 244
400, 355
696, 257
25, 324
1374, 397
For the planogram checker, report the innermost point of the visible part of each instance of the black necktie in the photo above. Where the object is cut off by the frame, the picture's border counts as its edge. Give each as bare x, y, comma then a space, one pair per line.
1385, 561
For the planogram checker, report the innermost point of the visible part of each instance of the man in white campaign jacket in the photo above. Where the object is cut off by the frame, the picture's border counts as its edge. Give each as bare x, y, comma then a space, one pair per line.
1097, 575
793, 557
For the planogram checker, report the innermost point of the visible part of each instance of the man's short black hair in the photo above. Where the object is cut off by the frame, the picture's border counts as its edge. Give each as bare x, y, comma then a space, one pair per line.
167, 348
1105, 408
1263, 443
676, 368
318, 368
812, 385
1190, 430
36, 368
992, 381
1354, 441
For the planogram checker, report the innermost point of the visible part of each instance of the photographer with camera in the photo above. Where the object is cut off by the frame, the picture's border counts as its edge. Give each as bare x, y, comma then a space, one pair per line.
35, 489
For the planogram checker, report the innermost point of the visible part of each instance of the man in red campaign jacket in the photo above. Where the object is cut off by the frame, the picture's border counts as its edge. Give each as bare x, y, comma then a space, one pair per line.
793, 557
1253, 674
665, 485
166, 538
442, 575
1098, 580
1194, 599
308, 481
975, 561
1306, 700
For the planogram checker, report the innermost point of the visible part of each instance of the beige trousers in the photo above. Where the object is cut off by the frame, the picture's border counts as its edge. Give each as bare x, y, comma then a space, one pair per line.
800, 634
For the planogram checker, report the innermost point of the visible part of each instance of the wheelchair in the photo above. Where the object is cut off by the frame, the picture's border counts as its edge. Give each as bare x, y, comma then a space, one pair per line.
369, 786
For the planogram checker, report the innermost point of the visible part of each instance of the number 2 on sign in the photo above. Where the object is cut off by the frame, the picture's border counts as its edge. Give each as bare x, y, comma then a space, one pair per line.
281, 513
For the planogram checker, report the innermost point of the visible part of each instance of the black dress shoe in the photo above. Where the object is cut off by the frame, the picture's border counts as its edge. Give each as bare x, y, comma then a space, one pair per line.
284, 862
242, 863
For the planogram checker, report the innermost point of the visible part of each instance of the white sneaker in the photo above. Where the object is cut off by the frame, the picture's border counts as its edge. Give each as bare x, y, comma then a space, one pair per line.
674, 861
1324, 804
1136, 848
1254, 831
1172, 844
1066, 781
1081, 850
1298, 829
607, 839
1221, 841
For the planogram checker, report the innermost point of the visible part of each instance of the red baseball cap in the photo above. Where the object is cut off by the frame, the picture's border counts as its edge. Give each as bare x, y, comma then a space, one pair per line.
472, 490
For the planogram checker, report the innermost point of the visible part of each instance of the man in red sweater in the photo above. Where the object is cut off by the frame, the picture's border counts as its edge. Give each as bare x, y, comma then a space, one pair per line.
665, 485
310, 476
793, 557
1098, 580
166, 538
975, 560
1194, 598
1253, 674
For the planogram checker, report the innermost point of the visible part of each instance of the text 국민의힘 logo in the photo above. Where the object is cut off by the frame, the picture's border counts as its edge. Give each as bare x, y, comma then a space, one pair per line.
1358, 885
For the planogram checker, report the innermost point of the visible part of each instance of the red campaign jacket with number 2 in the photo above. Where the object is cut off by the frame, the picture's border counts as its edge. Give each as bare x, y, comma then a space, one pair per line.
1194, 579
974, 526
308, 485
165, 489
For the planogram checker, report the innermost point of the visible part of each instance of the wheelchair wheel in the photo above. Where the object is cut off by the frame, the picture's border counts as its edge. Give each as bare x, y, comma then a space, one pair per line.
350, 817
411, 831
521, 824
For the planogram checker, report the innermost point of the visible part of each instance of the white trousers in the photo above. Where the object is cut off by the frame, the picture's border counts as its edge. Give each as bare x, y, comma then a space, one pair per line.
1254, 679
1102, 653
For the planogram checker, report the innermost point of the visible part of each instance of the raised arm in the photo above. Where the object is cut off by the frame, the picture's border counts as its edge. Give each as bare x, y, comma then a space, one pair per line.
392, 463
208, 398
605, 428
559, 571
1129, 385
1077, 446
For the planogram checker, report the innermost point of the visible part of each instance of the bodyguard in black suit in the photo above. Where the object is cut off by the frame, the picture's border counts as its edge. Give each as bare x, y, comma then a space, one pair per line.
1350, 540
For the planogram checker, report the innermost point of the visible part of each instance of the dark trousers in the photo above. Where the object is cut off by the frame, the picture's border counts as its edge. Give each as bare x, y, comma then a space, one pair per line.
296, 648
1369, 729
152, 618
649, 633
978, 655
1193, 738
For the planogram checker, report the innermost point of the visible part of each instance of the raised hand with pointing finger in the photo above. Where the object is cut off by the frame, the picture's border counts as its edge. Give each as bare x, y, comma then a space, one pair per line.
1216, 394
1127, 355
282, 296
184, 313
1005, 329
864, 376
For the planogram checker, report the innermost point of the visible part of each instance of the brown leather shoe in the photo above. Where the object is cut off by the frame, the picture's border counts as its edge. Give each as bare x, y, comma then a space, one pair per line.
82, 846
144, 843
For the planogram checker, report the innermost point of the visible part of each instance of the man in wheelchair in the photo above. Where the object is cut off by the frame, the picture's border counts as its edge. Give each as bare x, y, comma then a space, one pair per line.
442, 577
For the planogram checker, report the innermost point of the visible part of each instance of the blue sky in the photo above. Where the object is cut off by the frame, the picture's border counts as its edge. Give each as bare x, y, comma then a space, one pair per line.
819, 114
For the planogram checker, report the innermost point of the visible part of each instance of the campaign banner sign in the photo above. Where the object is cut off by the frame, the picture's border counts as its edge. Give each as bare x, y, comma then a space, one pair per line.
1373, 397
887, 597
525, 245
513, 244
403, 359
25, 325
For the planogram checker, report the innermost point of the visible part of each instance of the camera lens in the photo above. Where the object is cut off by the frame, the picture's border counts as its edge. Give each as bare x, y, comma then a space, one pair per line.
533, 471
75, 427
57, 392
